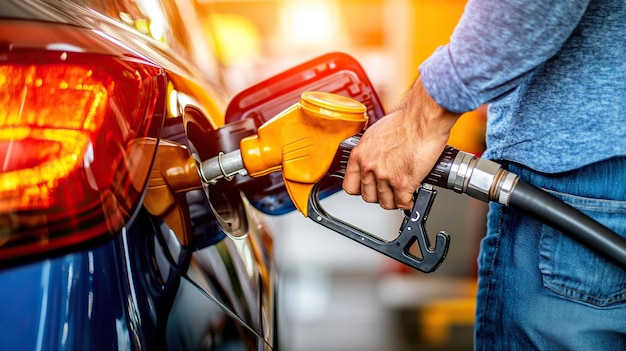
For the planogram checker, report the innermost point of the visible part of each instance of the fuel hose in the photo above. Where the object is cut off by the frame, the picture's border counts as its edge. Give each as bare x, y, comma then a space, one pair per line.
487, 181
552, 211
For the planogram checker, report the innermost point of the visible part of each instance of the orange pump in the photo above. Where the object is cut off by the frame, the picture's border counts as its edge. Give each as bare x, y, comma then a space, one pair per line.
302, 141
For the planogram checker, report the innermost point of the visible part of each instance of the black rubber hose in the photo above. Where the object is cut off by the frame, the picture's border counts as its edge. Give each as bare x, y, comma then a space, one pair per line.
552, 211
529, 199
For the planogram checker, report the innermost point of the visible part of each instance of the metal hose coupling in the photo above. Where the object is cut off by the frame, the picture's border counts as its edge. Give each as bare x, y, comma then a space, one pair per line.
479, 178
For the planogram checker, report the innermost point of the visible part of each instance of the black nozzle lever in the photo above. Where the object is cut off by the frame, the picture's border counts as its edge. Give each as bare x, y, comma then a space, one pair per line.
412, 231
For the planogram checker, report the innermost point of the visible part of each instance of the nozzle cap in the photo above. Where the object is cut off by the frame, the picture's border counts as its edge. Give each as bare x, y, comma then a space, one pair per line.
332, 105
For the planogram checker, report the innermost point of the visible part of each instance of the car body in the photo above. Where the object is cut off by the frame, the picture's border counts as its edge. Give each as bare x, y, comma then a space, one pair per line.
108, 240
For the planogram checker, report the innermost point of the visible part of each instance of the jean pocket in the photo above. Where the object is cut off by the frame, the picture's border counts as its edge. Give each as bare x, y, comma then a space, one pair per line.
572, 270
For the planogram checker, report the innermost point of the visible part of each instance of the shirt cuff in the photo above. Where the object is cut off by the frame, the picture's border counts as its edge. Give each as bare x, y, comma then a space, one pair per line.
439, 77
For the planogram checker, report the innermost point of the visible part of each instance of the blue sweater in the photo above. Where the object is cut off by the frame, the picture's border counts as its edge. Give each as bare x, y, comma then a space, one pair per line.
553, 72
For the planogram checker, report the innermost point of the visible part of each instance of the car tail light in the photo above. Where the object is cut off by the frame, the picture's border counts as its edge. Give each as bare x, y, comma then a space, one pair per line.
70, 126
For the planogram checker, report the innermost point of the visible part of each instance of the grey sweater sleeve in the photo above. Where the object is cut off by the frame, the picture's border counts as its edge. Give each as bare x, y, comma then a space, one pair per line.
494, 46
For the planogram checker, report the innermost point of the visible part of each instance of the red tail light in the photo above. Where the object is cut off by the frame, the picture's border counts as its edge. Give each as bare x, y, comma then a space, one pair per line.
69, 126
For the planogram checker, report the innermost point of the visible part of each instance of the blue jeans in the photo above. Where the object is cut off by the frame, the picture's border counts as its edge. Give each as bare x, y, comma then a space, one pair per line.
540, 289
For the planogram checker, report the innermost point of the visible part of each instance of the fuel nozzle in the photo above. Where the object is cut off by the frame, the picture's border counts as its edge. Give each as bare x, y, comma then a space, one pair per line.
313, 139
300, 141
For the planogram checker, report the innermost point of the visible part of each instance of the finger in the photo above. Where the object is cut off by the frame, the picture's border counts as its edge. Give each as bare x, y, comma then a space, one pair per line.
404, 199
352, 179
369, 189
386, 197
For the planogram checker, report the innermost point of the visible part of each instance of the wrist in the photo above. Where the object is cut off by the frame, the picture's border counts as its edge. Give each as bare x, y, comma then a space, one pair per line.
430, 117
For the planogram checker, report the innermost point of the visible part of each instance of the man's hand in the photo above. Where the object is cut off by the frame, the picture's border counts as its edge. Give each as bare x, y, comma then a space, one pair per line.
396, 153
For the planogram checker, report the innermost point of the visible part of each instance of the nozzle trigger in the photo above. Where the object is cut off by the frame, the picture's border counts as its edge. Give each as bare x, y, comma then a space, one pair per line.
412, 231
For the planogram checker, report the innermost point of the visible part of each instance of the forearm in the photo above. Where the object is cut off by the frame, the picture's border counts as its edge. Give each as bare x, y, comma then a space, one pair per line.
495, 46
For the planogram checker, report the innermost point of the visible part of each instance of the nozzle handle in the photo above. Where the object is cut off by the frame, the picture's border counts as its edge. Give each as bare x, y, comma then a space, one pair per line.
412, 232
438, 175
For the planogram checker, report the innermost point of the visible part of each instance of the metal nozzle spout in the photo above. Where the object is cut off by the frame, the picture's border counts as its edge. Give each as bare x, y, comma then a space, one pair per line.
224, 165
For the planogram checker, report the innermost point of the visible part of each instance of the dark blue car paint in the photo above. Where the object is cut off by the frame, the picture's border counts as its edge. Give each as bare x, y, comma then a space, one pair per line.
84, 300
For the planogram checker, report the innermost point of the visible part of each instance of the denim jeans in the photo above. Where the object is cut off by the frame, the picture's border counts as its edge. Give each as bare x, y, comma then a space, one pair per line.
538, 289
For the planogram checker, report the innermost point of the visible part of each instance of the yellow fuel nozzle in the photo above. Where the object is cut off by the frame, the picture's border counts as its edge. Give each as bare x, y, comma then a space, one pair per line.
302, 141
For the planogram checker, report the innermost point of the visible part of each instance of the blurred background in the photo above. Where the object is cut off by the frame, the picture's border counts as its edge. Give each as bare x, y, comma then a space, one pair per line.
337, 294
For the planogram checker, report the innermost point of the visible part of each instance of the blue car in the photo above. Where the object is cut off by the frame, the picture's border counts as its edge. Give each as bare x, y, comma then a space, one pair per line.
107, 238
